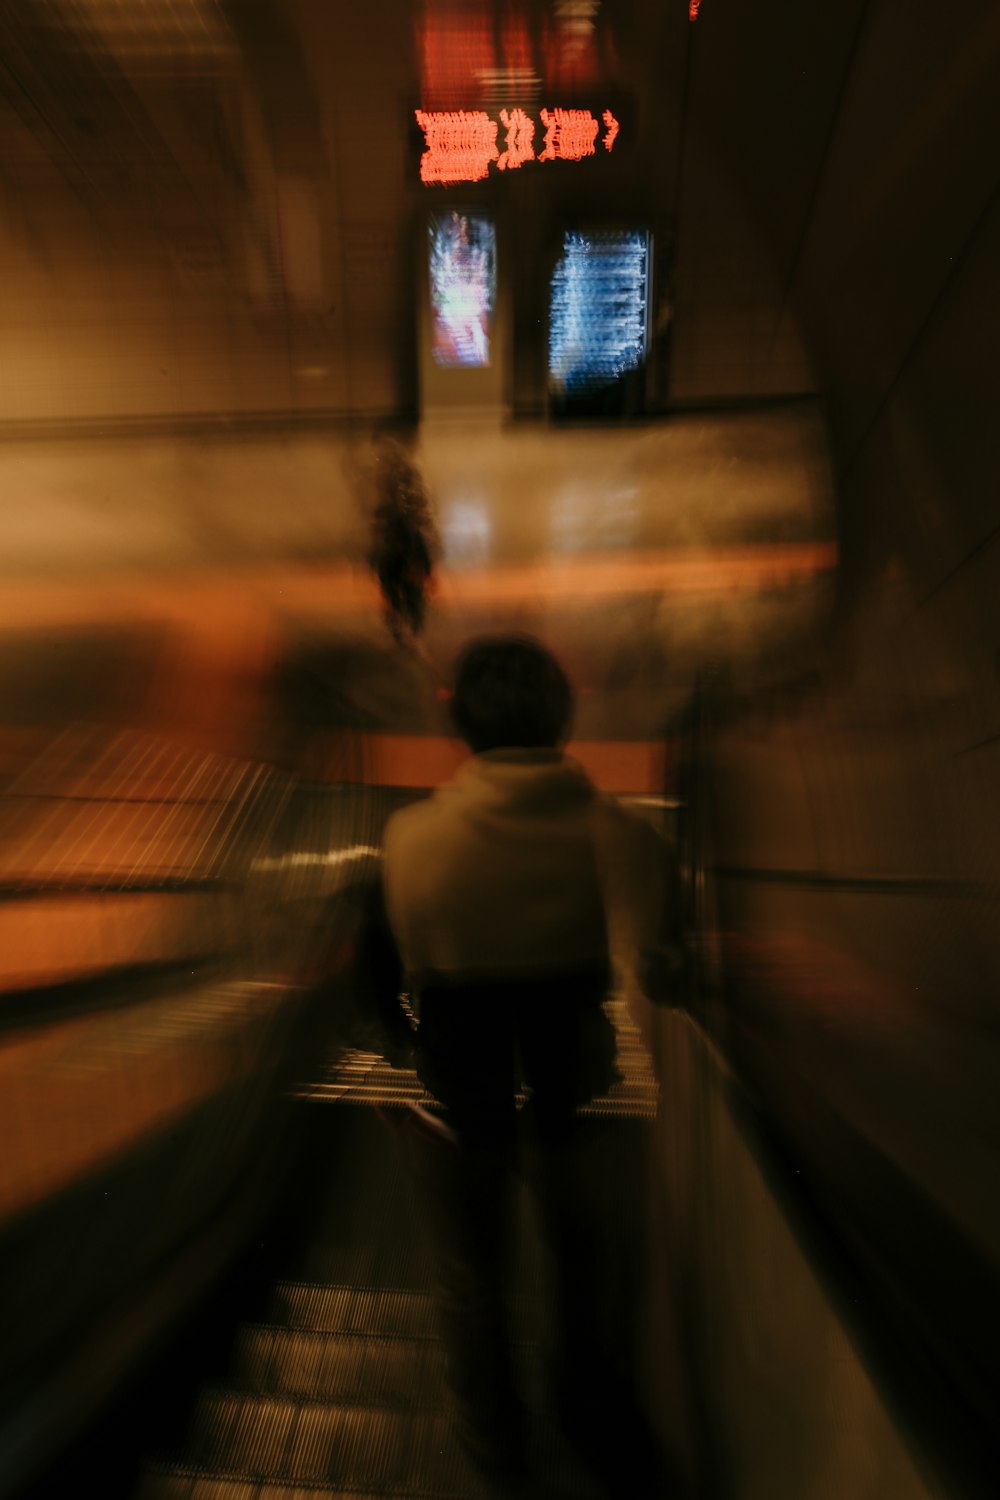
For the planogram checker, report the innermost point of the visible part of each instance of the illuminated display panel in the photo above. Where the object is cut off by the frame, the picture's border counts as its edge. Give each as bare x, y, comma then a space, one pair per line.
598, 311
463, 145
462, 251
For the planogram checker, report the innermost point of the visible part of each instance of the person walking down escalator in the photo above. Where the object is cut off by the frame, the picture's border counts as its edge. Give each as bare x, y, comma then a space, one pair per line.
493, 917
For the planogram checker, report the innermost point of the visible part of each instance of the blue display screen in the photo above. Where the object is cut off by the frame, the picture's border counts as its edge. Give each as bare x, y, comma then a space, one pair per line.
597, 315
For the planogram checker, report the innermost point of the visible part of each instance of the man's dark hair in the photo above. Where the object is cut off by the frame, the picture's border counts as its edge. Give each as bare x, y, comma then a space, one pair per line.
511, 693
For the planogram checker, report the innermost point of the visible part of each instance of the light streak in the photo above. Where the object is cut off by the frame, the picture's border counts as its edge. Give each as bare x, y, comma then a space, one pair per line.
461, 145
569, 134
520, 135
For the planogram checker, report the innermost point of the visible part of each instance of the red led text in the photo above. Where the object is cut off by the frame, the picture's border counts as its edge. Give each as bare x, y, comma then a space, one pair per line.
520, 135
462, 144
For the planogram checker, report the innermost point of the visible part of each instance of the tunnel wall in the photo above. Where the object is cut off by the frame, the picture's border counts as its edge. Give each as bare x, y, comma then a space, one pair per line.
835, 179
857, 865
757, 1382
889, 269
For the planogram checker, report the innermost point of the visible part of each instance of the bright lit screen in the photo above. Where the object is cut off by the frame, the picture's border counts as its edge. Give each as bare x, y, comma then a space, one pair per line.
463, 289
597, 317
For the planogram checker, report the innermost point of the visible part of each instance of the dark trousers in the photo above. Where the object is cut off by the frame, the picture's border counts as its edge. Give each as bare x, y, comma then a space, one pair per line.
469, 1196
476, 1045
470, 1193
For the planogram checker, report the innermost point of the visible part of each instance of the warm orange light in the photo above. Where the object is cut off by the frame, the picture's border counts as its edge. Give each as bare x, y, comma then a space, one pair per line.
460, 145
569, 134
453, 49
518, 53
520, 135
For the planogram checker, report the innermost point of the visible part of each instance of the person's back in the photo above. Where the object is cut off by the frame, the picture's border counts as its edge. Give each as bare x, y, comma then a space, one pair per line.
496, 895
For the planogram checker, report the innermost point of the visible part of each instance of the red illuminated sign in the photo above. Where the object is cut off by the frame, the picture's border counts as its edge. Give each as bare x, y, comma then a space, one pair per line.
569, 134
520, 136
462, 144
694, 6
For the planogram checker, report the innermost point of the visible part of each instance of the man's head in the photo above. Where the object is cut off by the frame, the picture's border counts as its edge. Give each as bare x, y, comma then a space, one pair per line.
511, 693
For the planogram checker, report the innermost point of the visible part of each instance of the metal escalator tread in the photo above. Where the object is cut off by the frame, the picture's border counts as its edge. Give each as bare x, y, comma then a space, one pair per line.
364, 1077
349, 1309
222, 1487
185, 1485
375, 1369
339, 1392
352, 1409
366, 1449
178, 1483
357, 1453
242, 1432
355, 1448
379, 1313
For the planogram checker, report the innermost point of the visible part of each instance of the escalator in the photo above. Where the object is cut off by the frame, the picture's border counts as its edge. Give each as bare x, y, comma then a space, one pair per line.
149, 1024
278, 1228
338, 1386
235, 1207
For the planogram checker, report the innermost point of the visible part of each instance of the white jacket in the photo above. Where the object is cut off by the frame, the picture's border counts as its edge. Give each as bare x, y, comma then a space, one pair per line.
510, 870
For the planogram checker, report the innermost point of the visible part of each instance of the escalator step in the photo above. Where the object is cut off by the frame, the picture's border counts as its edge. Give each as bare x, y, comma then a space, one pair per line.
184, 1485
349, 1309
366, 1079
322, 1308
242, 1433
221, 1487
355, 1448
401, 1452
355, 1453
181, 1484
378, 1370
